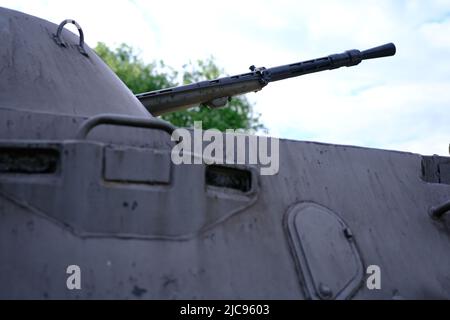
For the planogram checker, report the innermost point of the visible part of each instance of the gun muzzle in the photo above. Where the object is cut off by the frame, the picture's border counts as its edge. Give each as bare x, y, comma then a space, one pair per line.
353, 57
385, 50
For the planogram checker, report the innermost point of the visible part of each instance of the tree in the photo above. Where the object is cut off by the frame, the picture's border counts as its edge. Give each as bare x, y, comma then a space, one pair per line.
143, 77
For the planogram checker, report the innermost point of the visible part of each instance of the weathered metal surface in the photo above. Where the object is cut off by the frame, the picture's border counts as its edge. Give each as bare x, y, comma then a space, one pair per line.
38, 75
136, 165
436, 169
191, 242
192, 231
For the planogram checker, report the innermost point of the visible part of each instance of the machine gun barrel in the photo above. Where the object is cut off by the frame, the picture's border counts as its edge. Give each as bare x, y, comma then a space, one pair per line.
216, 93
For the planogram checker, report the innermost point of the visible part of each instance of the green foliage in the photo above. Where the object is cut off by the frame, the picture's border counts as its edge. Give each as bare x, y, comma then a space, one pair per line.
138, 76
143, 77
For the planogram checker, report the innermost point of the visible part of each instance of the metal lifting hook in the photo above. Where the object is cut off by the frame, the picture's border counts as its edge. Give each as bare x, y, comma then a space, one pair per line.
57, 36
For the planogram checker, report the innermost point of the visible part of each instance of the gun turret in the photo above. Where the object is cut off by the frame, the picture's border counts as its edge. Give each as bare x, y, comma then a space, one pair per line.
216, 93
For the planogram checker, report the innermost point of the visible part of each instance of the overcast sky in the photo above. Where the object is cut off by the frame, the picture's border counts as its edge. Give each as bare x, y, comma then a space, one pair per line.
400, 102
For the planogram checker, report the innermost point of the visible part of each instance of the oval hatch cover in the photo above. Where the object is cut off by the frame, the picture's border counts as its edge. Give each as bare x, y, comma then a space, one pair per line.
325, 251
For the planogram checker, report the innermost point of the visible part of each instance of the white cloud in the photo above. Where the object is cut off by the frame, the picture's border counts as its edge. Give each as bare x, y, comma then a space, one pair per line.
437, 33
400, 102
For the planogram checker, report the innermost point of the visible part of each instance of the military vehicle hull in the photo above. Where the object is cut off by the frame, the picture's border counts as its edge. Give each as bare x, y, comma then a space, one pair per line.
106, 197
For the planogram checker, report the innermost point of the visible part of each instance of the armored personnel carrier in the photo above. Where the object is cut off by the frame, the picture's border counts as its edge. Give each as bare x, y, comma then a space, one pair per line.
92, 205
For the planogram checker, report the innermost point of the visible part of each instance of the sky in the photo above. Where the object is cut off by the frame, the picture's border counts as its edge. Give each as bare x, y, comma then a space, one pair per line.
397, 103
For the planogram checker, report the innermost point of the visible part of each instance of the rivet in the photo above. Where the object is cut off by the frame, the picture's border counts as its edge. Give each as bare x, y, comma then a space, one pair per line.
325, 291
